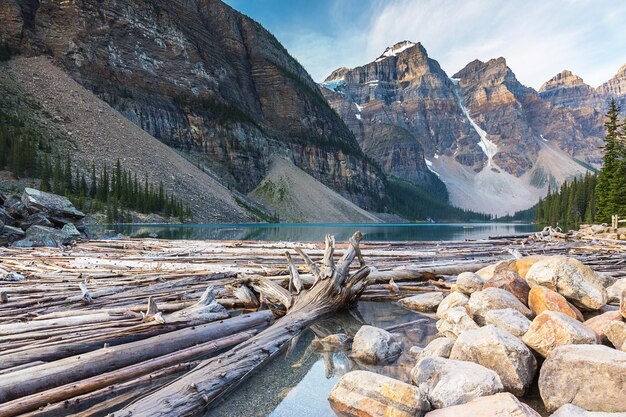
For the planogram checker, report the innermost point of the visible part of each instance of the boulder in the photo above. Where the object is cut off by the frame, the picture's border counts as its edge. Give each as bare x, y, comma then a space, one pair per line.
598, 323
454, 299
54, 205
522, 265
3, 198
615, 291
1, 225
615, 332
511, 282
552, 329
570, 278
16, 209
10, 234
469, 282
447, 382
367, 394
455, 321
494, 299
372, 345
438, 348
71, 230
425, 303
622, 304
38, 219
569, 410
509, 320
490, 271
332, 343
502, 404
415, 351
501, 352
542, 298
47, 236
6, 217
592, 377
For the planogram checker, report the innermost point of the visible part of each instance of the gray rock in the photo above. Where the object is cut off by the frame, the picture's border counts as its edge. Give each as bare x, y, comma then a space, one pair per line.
1, 225
38, 219
469, 282
10, 234
439, 348
372, 345
16, 209
592, 377
6, 217
454, 299
3, 198
54, 205
455, 321
501, 352
47, 236
509, 320
494, 299
615, 291
502, 404
71, 230
425, 303
569, 410
12, 277
449, 382
552, 329
367, 394
415, 351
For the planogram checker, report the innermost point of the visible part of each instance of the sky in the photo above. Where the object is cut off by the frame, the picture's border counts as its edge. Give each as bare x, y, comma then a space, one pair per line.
538, 38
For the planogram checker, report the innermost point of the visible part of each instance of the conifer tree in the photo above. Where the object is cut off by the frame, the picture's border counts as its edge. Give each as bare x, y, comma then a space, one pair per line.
605, 206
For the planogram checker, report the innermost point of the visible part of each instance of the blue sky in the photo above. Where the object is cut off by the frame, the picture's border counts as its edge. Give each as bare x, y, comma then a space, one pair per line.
539, 38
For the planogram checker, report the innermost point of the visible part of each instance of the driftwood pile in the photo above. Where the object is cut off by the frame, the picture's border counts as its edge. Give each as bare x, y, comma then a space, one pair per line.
150, 327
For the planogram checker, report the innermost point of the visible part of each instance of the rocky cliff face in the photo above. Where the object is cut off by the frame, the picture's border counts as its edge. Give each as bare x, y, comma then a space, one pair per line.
567, 89
200, 77
615, 88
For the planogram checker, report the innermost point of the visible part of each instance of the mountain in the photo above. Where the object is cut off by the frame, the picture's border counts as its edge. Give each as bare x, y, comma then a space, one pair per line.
495, 143
201, 78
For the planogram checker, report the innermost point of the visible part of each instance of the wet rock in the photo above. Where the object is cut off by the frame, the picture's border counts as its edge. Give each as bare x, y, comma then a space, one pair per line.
439, 348
502, 404
542, 299
615, 332
494, 299
569, 410
454, 322
16, 209
615, 291
570, 278
592, 377
47, 236
372, 345
425, 303
469, 282
552, 329
448, 382
367, 394
52, 204
598, 323
511, 282
38, 219
501, 352
454, 299
509, 320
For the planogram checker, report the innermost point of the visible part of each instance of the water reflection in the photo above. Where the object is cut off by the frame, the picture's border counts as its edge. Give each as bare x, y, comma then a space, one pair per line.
297, 382
316, 232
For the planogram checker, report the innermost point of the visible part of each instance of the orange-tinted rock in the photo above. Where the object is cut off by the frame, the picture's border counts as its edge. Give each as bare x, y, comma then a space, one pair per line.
598, 323
522, 265
542, 298
622, 304
511, 282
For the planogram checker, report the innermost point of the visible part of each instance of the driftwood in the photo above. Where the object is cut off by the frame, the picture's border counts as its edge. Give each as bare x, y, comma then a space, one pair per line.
335, 288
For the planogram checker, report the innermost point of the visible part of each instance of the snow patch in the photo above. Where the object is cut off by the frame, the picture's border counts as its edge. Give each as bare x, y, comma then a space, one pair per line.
429, 164
359, 108
436, 156
544, 139
358, 116
393, 51
334, 85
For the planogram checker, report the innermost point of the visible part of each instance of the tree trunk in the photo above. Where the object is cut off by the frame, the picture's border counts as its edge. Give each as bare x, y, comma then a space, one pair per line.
334, 289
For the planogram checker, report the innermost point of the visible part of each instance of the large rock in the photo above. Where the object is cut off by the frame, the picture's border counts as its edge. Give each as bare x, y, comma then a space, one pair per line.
52, 204
615, 332
366, 394
570, 278
511, 282
498, 405
509, 320
6, 217
622, 304
469, 282
598, 323
490, 271
522, 265
569, 410
589, 376
47, 236
10, 234
494, 299
552, 329
615, 291
455, 321
501, 352
372, 345
448, 382
454, 299
425, 303
437, 348
16, 209
38, 219
542, 298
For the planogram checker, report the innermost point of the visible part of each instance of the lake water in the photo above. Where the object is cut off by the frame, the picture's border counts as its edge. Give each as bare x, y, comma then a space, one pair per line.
316, 232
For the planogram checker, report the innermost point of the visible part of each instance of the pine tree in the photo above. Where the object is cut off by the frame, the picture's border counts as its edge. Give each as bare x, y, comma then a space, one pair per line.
605, 206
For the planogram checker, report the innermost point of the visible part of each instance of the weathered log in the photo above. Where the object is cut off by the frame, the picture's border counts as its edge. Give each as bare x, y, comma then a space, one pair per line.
192, 393
412, 274
38, 378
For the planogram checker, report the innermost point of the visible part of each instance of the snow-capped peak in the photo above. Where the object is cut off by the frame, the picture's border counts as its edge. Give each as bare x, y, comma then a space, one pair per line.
396, 49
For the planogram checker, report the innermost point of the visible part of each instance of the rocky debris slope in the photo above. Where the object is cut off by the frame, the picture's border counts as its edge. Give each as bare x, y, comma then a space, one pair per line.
478, 365
201, 77
39, 219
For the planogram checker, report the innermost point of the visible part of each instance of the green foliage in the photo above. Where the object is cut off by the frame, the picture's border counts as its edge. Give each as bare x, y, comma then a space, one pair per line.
572, 204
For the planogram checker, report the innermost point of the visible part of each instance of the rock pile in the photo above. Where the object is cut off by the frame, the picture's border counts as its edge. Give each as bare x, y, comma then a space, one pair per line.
495, 329
39, 219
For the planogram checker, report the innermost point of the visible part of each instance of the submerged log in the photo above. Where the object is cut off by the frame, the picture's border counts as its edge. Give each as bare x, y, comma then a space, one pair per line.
335, 288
